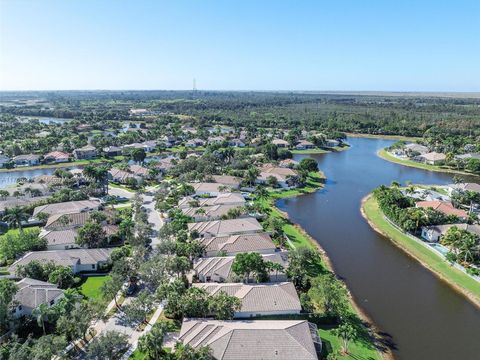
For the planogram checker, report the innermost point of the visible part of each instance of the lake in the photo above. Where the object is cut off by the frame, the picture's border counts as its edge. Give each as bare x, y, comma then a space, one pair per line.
425, 317
10, 177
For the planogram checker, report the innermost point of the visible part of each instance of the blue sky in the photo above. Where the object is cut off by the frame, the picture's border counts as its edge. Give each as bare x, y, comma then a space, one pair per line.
240, 45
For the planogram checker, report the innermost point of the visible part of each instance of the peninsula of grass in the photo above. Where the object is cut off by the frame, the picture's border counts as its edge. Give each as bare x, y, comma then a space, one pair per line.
390, 137
454, 277
384, 154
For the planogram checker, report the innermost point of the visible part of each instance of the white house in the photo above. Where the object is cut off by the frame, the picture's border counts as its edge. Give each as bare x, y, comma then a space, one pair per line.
32, 293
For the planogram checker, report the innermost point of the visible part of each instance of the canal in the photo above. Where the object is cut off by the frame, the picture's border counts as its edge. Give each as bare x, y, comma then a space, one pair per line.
425, 317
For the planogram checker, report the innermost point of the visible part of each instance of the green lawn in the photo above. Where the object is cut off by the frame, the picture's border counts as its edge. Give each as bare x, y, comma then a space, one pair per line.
427, 257
16, 231
91, 287
357, 350
384, 154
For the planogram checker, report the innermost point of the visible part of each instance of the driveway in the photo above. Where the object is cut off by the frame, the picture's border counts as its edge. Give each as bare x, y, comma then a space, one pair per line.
120, 192
153, 216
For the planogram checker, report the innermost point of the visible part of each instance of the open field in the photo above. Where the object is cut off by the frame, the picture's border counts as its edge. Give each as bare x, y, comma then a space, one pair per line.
91, 288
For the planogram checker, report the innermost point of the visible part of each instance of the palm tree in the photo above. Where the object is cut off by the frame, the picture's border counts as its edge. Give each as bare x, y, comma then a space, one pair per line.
261, 192
15, 216
41, 313
152, 343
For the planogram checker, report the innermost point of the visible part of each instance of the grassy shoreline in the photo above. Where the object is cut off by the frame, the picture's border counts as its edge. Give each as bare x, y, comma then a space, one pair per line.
300, 238
388, 137
382, 153
453, 277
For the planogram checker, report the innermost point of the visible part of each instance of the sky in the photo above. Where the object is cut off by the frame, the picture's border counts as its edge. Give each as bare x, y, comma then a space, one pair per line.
342, 45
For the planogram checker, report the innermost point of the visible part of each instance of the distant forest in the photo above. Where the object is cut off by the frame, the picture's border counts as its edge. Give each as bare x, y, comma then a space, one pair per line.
410, 115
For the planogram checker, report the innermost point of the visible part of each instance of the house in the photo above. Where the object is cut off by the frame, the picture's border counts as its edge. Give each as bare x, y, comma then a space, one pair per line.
87, 152
443, 207
27, 160
432, 158
165, 164
288, 163
56, 157
4, 161
215, 140
67, 207
138, 170
79, 260
466, 157
219, 269
221, 199
208, 213
195, 143
474, 187
435, 232
32, 293
210, 189
168, 140
253, 339
416, 148
236, 143
331, 143
64, 221
65, 239
226, 227
120, 176
259, 299
305, 145
112, 151
280, 143
283, 175
227, 180
234, 244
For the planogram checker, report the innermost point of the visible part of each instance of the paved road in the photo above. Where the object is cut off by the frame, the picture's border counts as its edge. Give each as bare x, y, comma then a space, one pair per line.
153, 216
120, 192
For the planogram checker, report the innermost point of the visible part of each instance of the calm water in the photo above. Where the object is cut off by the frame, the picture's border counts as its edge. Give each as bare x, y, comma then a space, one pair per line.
9, 178
424, 316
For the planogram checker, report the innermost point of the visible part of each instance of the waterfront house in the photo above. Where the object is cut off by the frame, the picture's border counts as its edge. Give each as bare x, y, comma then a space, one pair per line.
444, 207
463, 187
226, 227
283, 175
288, 163
232, 245
280, 143
331, 143
304, 145
417, 149
4, 161
32, 293
27, 160
86, 152
432, 158
56, 157
258, 299
79, 260
253, 339
221, 199
208, 213
219, 269
434, 233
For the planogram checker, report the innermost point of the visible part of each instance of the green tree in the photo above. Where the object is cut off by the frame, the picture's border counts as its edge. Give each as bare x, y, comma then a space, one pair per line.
110, 345
92, 235
42, 314
223, 306
140, 307
329, 296
62, 276
151, 344
138, 155
246, 264
308, 164
8, 289
47, 347
15, 216
346, 332
111, 287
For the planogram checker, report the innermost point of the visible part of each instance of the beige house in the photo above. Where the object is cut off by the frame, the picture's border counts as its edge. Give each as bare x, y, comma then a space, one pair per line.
79, 260
236, 244
208, 213
226, 227
253, 339
87, 152
67, 207
32, 293
219, 269
259, 299
432, 158
221, 199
